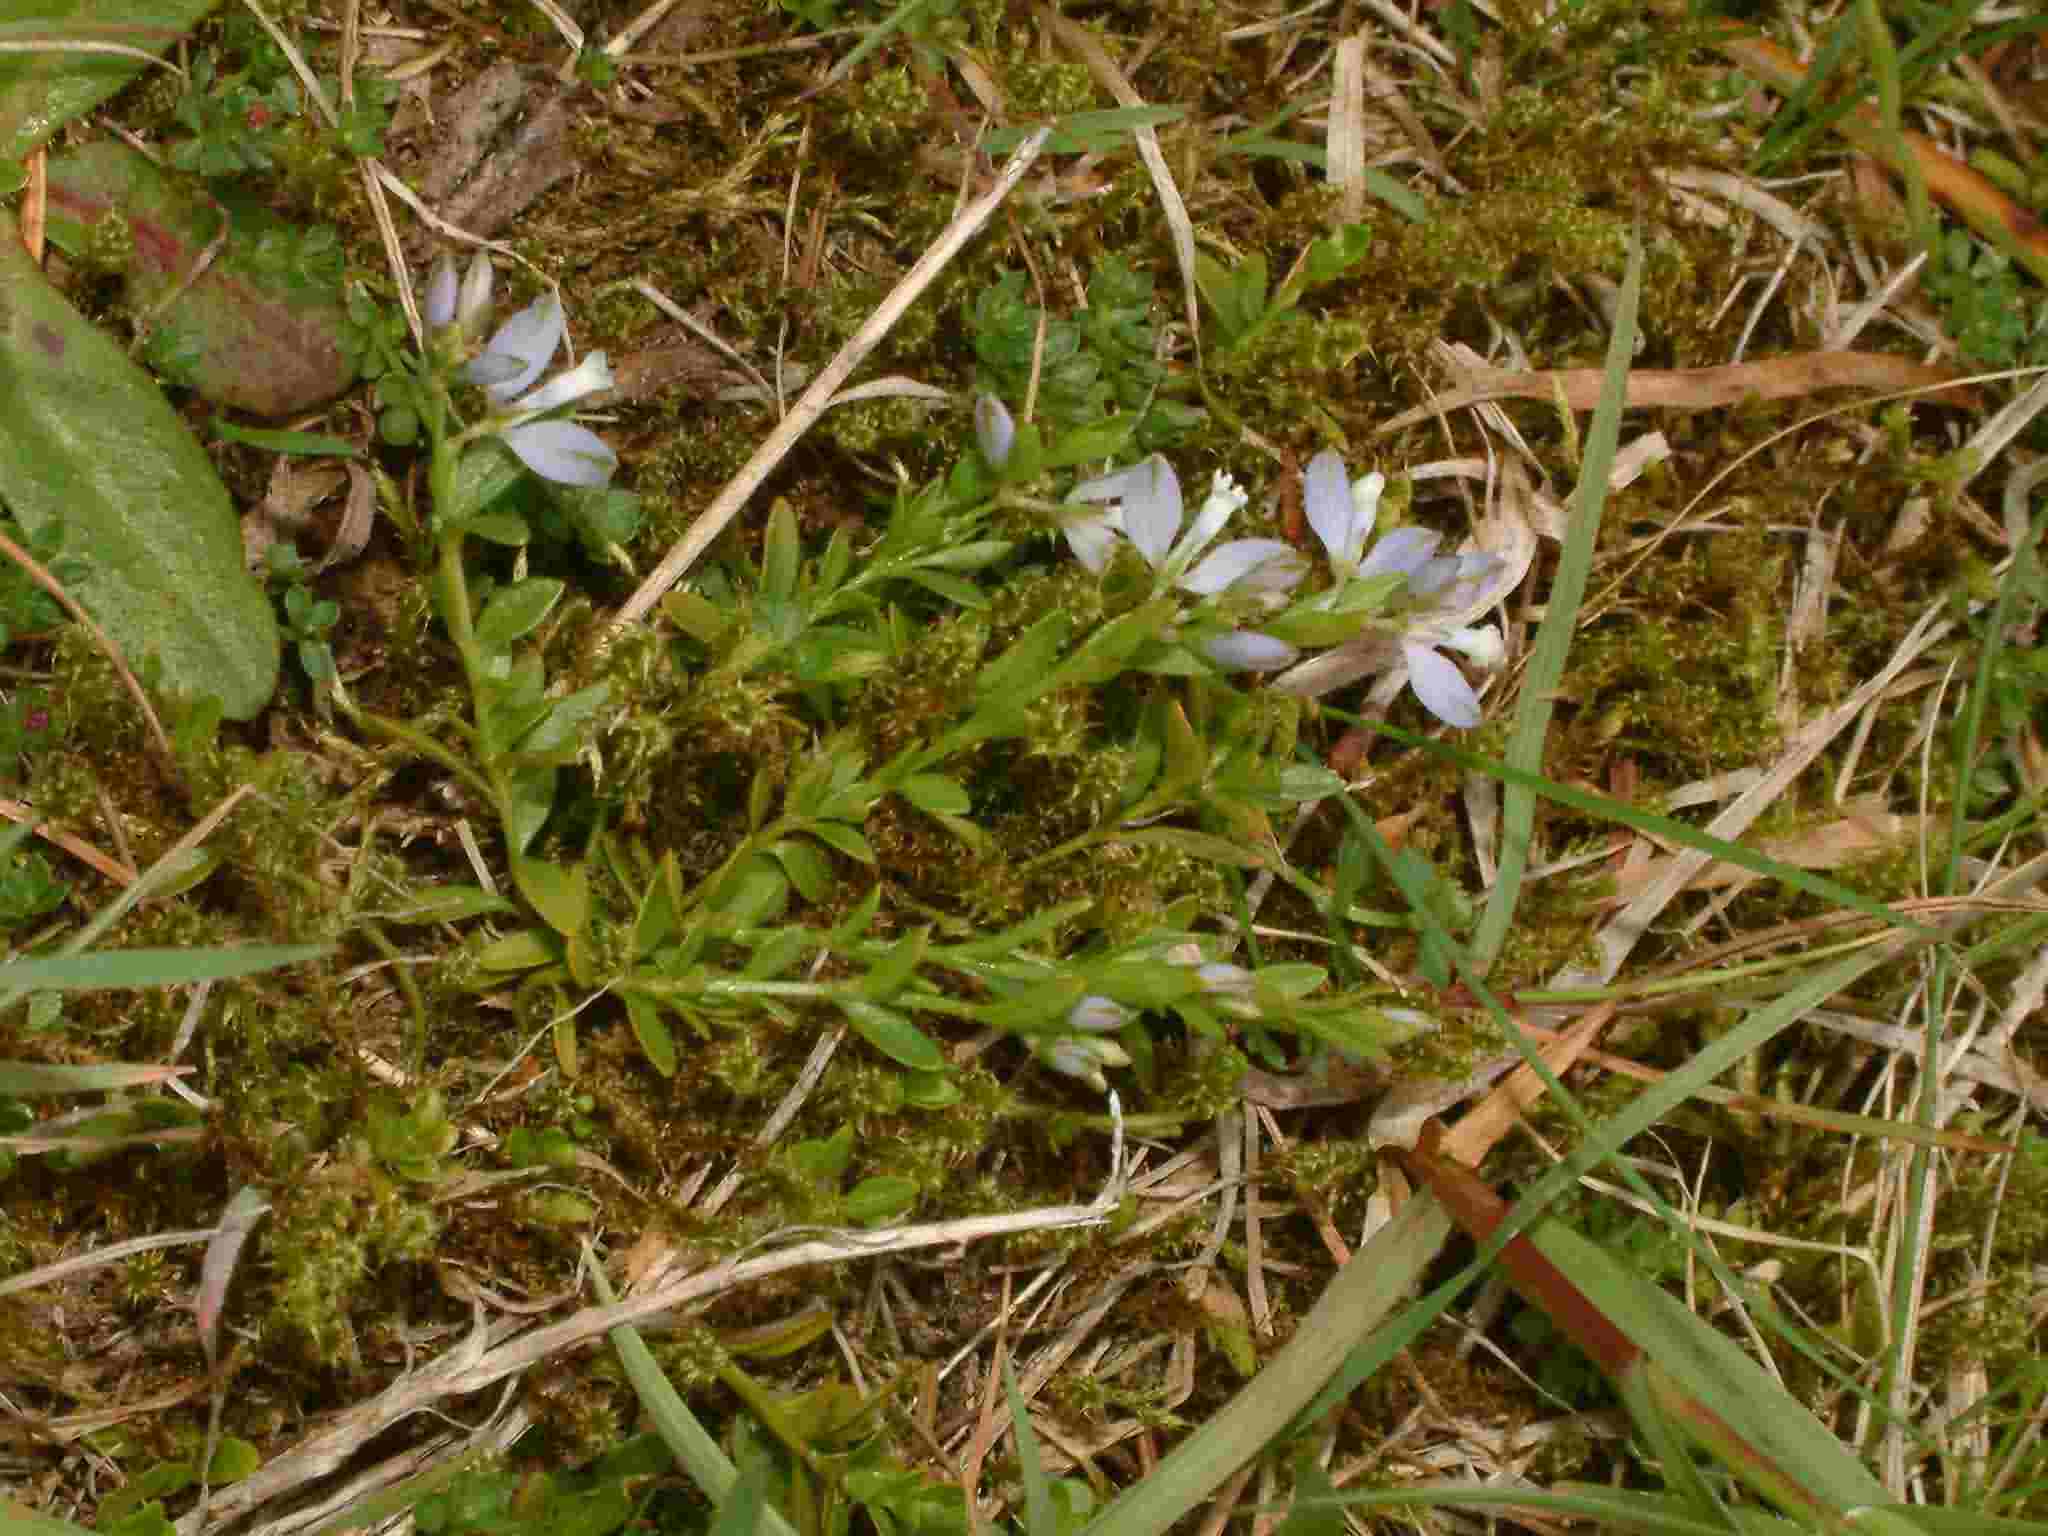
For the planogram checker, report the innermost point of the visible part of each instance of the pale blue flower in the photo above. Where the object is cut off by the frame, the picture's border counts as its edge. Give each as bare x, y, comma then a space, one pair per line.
556, 450
1144, 507
1342, 512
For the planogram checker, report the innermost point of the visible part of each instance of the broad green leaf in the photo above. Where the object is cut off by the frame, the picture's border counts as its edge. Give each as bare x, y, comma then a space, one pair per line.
259, 328
560, 895
894, 1035
516, 611
112, 968
521, 951
41, 91
808, 869
90, 439
233, 1460
879, 1199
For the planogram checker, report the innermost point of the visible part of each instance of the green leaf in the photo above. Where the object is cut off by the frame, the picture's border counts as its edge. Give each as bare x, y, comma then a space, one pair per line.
521, 951
894, 1035
233, 1460
448, 904
91, 440
250, 316
954, 589
846, 839
561, 896
1039, 1518
697, 616
898, 964
651, 1030
808, 869
516, 611
935, 793
754, 894
559, 735
113, 968
41, 91
880, 1199
22, 1079
779, 555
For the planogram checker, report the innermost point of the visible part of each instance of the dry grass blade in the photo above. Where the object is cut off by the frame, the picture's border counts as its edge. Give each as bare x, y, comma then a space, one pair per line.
814, 400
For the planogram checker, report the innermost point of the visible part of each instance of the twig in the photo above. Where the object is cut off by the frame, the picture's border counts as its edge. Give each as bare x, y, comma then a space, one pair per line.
811, 405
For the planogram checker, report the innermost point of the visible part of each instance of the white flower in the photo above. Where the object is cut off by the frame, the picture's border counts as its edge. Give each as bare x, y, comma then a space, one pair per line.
1438, 581
523, 346
1342, 513
1145, 508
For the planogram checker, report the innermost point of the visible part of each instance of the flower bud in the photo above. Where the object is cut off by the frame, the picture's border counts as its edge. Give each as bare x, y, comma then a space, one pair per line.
1244, 650
473, 308
439, 308
994, 431
1098, 1015
1083, 1057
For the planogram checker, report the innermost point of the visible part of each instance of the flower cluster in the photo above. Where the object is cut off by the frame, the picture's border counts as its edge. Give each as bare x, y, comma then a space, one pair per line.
1395, 608
517, 354
1342, 513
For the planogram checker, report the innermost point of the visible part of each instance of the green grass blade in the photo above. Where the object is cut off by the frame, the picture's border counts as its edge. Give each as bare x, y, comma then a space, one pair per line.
22, 1079
1665, 827
695, 1451
1350, 1309
1039, 1519
1560, 616
112, 968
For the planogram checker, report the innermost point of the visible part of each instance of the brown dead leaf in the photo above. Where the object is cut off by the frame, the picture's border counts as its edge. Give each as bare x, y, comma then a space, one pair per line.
1867, 828
1779, 378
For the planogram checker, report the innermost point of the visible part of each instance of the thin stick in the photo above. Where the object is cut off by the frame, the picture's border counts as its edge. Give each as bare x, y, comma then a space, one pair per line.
17, 811
811, 405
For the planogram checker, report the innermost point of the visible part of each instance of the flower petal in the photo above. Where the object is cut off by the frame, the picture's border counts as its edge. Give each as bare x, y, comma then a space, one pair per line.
1152, 512
1093, 536
1481, 643
530, 336
1118, 485
1245, 650
439, 308
1440, 686
586, 378
1264, 564
1326, 498
1433, 576
563, 452
1223, 499
1402, 550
